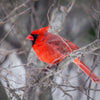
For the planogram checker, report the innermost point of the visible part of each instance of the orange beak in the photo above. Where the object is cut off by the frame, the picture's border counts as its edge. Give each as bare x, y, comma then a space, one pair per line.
30, 37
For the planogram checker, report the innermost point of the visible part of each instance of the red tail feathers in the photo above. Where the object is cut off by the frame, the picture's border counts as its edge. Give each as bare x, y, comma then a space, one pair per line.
86, 70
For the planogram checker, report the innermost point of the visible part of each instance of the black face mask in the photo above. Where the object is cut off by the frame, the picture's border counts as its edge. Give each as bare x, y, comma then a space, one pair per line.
35, 37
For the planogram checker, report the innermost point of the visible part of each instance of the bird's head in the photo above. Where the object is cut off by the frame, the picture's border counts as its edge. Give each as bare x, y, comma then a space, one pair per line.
34, 34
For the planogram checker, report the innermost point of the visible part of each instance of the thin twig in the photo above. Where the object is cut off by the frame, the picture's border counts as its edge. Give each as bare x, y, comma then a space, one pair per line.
70, 8
98, 30
7, 34
14, 10
49, 12
64, 91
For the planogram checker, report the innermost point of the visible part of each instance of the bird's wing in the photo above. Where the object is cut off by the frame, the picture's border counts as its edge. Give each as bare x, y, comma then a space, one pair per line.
60, 44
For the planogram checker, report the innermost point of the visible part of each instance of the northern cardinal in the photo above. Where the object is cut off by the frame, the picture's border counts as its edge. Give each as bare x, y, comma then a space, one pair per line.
51, 48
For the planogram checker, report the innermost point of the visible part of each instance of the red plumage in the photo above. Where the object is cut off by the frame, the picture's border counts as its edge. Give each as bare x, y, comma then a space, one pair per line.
51, 48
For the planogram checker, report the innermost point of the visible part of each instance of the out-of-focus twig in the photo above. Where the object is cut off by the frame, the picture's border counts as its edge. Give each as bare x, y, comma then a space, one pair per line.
9, 16
98, 30
49, 12
58, 18
65, 92
34, 13
70, 8
12, 13
14, 94
7, 34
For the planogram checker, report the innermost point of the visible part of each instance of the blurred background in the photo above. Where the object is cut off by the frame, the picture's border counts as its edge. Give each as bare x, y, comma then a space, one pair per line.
18, 18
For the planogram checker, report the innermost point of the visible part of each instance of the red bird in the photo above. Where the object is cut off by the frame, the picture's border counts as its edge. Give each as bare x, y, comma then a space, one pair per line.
51, 48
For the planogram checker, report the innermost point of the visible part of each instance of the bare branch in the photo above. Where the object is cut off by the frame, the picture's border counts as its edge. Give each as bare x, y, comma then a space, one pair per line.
84, 50
7, 34
58, 18
70, 8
